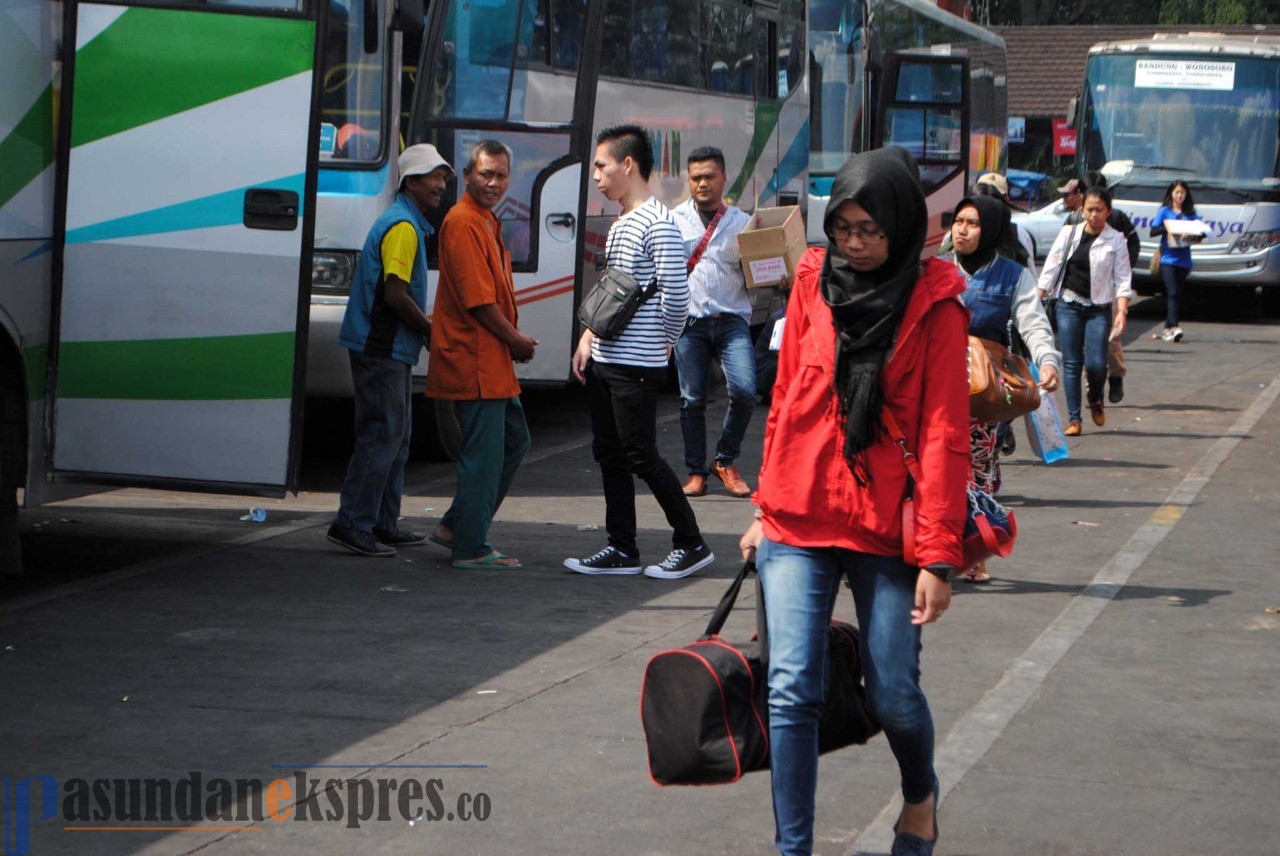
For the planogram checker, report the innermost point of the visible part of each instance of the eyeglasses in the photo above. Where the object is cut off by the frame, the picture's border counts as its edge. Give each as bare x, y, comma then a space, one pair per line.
864, 236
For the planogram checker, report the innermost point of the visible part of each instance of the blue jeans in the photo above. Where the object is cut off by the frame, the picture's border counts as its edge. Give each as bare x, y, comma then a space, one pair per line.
726, 338
495, 438
800, 586
1175, 279
1082, 333
383, 423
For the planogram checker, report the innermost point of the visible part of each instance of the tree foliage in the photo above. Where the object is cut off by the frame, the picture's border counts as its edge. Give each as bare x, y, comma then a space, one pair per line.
1206, 12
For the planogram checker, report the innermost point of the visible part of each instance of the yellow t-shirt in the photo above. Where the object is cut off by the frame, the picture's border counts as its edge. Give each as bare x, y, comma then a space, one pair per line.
399, 249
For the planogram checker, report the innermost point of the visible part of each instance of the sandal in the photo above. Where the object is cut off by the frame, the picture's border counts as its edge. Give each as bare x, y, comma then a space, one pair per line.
493, 560
977, 574
436, 539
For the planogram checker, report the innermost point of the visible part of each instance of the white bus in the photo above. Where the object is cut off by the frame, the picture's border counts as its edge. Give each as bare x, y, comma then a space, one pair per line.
905, 72
186, 186
1204, 108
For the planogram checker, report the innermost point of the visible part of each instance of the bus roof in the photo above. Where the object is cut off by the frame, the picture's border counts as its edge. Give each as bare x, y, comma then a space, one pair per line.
1221, 44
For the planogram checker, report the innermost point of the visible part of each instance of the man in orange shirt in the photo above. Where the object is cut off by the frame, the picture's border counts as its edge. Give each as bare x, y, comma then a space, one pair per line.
474, 341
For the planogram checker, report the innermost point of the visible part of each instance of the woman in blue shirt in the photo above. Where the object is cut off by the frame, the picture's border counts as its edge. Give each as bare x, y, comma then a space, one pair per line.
1175, 262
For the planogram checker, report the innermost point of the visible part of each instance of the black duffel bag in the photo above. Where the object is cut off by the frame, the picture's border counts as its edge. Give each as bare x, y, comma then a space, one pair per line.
705, 709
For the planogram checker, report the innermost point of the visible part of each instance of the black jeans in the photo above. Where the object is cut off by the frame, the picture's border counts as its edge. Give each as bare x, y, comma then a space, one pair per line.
624, 428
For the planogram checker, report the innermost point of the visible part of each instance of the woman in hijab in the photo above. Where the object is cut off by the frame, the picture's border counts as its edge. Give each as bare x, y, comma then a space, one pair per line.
997, 291
869, 329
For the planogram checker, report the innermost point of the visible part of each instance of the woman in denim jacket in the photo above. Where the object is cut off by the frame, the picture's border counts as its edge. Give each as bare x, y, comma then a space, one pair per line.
998, 292
1087, 271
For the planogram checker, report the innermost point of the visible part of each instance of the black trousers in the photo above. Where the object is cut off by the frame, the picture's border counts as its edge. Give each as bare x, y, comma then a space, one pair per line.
624, 427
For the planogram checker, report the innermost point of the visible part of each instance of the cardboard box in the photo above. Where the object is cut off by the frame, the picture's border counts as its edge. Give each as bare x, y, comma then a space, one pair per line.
771, 246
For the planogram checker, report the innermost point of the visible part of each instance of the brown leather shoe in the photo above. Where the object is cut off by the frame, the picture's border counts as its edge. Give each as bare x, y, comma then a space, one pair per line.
1099, 413
1072, 429
696, 486
732, 479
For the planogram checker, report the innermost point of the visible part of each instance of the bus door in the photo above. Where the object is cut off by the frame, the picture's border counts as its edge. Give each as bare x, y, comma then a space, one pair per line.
508, 70
187, 148
923, 108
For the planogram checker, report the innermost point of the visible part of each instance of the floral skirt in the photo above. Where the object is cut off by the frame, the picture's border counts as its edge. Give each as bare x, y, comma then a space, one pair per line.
984, 455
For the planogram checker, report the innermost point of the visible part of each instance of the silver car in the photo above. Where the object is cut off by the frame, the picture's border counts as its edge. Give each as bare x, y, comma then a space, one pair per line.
1043, 225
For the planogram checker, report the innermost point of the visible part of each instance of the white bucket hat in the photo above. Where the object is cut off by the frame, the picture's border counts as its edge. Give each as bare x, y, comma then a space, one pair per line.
420, 160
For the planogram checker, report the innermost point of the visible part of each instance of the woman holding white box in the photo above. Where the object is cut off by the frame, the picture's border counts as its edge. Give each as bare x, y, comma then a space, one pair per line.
1175, 250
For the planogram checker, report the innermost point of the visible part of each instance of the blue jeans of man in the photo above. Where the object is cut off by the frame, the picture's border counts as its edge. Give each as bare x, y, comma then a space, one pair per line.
374, 484
495, 438
1083, 332
726, 339
800, 586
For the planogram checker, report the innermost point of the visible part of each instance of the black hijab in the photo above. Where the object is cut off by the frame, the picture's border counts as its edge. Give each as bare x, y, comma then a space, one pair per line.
993, 215
867, 307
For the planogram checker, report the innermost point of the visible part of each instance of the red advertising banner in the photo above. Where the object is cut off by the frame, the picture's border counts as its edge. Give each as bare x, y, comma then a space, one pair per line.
1064, 138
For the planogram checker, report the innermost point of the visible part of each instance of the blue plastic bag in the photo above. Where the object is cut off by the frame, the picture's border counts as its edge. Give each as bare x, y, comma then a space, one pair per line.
1044, 428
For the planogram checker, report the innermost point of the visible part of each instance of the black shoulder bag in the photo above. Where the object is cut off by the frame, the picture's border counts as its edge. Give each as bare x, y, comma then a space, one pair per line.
612, 302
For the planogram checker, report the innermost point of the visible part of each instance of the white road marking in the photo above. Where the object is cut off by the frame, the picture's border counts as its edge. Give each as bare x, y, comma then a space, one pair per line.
986, 721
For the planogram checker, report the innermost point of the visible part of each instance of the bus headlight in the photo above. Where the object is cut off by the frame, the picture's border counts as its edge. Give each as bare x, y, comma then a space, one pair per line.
331, 272
1252, 241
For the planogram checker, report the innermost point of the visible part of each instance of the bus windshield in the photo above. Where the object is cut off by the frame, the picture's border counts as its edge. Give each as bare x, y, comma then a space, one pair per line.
1214, 120
353, 121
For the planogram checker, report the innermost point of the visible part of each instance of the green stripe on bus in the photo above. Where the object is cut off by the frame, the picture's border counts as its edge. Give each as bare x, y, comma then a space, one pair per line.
766, 120
154, 63
226, 368
28, 148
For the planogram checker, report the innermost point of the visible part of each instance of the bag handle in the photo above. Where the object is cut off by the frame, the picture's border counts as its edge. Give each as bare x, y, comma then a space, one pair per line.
706, 238
721, 614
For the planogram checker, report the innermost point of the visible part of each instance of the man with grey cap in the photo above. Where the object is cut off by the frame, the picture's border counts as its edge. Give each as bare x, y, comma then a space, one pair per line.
384, 330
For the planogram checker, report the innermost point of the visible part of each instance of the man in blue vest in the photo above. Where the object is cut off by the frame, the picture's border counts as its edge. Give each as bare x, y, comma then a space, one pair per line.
384, 329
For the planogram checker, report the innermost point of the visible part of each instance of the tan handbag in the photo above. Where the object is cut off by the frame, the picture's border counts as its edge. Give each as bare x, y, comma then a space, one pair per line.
1154, 267
1001, 387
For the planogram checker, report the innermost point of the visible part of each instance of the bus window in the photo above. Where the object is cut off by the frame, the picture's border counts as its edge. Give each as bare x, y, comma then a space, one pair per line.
473, 64
665, 45
791, 56
766, 73
351, 108
569, 17
932, 82
616, 61
726, 41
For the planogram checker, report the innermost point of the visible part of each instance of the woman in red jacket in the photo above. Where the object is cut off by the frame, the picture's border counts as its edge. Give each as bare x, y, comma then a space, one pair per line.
869, 326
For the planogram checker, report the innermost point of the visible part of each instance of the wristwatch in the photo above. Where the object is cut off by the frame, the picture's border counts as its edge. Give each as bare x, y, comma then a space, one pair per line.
943, 571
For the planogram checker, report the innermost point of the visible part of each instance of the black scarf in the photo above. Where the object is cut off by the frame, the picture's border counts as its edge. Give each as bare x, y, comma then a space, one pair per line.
868, 306
993, 215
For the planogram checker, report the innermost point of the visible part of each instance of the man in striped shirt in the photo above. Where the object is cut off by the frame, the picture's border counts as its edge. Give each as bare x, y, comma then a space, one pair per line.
623, 374
719, 325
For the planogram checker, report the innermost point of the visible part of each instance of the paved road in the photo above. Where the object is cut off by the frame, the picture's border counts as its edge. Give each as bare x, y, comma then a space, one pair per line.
1113, 691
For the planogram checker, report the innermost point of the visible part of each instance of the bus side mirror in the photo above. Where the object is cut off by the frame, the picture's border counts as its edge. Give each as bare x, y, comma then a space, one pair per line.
1072, 105
371, 26
408, 20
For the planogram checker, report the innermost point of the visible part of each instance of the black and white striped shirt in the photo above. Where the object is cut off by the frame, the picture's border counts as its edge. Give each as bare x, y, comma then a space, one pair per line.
646, 243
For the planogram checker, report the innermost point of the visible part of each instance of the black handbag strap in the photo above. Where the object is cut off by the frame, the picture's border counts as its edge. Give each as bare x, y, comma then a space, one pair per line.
730, 597
727, 602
